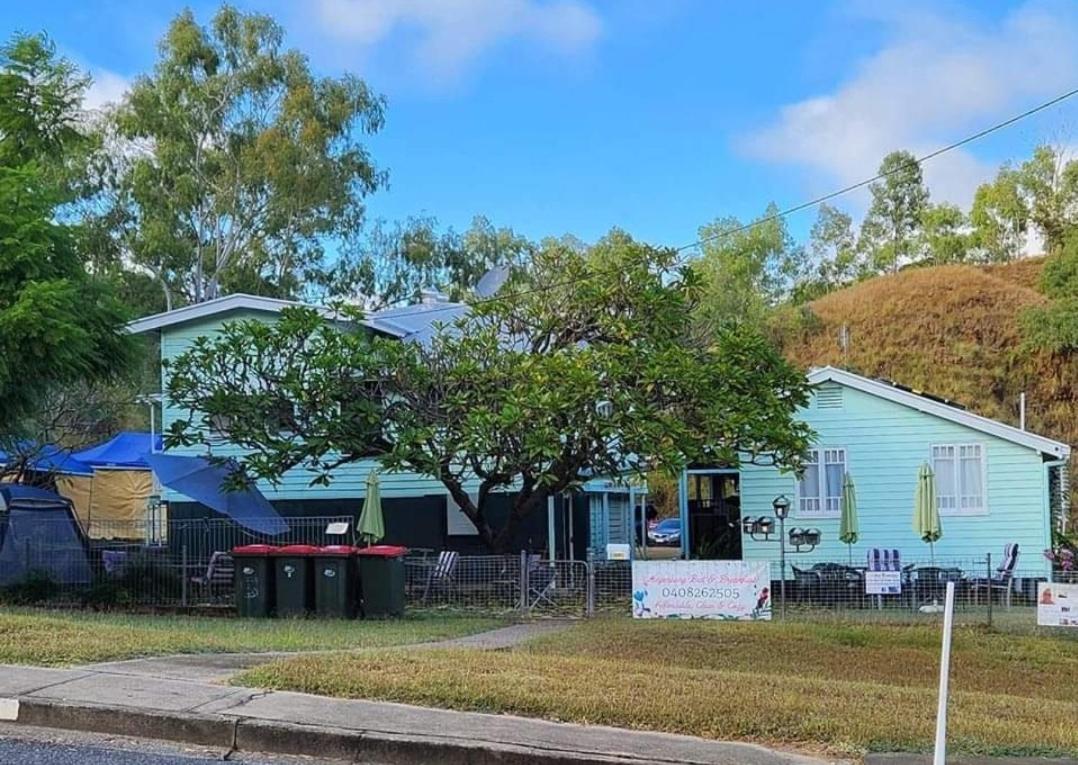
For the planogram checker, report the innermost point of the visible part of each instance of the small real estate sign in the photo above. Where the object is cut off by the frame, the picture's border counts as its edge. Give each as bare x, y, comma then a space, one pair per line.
1057, 605
701, 589
883, 582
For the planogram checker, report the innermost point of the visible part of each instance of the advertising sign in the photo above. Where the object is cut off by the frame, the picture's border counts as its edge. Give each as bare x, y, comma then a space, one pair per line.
883, 582
701, 589
1057, 605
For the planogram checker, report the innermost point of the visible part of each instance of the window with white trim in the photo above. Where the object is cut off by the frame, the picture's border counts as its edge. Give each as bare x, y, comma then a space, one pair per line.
960, 479
819, 492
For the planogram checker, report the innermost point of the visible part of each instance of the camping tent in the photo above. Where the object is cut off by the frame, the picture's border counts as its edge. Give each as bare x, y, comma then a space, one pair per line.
39, 533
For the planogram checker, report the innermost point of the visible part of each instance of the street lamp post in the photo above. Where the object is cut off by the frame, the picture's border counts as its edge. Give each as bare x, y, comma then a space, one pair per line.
781, 506
762, 529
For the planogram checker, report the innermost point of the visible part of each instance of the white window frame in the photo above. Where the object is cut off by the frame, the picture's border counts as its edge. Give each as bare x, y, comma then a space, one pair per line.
961, 504
823, 505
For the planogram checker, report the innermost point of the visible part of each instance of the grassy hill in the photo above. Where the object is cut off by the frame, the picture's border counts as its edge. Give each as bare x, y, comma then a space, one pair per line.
952, 331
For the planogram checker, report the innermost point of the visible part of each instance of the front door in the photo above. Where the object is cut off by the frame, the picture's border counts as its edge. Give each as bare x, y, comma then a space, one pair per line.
714, 516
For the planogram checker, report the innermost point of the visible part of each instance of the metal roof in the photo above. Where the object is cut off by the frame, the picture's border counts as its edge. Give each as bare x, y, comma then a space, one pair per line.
940, 408
230, 303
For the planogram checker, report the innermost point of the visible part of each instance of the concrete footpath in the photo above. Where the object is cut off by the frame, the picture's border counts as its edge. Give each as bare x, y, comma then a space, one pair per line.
115, 700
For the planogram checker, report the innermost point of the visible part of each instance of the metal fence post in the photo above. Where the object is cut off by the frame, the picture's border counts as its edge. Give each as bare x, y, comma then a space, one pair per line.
988, 584
523, 581
589, 609
183, 576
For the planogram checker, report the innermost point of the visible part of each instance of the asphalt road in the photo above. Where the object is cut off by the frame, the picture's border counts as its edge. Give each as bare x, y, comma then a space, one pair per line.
22, 745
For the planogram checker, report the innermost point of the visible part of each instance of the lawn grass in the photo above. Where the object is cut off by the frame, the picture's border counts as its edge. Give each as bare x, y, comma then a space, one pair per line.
57, 638
845, 688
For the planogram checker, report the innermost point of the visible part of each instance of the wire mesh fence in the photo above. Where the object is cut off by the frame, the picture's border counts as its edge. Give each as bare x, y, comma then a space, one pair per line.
190, 565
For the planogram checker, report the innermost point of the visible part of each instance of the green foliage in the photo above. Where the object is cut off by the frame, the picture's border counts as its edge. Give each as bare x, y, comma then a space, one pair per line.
1049, 185
1060, 276
40, 109
36, 588
57, 326
943, 235
1053, 327
746, 270
833, 247
893, 222
392, 264
999, 217
590, 367
240, 164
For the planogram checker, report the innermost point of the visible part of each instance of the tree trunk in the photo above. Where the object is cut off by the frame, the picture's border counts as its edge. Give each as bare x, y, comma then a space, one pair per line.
524, 505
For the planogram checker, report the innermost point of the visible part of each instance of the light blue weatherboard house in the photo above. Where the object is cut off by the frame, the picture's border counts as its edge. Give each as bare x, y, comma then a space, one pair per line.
418, 511
996, 484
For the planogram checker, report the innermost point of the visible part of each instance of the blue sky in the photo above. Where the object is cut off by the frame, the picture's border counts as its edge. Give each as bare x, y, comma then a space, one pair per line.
573, 116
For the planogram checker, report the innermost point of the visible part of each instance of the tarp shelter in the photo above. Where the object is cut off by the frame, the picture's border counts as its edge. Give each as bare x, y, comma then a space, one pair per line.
39, 533
127, 449
45, 458
113, 499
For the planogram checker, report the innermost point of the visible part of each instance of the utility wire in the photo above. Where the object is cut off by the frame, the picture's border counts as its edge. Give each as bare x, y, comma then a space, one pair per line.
774, 216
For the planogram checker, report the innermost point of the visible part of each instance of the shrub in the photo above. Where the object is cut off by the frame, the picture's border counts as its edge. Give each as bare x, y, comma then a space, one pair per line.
37, 587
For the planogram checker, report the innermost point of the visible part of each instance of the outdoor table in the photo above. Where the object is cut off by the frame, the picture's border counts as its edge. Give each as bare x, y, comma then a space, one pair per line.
930, 582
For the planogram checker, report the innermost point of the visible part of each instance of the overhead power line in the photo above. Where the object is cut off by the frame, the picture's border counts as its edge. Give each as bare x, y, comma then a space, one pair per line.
781, 213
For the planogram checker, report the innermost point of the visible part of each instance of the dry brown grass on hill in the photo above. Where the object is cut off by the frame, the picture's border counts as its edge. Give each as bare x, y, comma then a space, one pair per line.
1025, 272
952, 331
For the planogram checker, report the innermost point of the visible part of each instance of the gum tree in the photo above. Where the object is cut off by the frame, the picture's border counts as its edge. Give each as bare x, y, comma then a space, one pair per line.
587, 365
235, 164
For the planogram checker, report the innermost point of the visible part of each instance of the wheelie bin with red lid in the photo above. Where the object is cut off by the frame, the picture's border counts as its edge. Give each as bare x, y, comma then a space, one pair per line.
253, 580
336, 593
294, 568
381, 579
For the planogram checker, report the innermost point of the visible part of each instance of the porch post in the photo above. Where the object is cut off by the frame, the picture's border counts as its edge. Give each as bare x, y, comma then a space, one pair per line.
551, 533
683, 511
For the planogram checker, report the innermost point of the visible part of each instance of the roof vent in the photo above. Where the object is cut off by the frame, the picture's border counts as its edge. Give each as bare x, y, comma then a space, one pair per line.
431, 296
829, 397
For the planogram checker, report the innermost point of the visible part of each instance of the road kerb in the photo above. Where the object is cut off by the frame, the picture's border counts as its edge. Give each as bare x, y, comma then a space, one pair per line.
249, 735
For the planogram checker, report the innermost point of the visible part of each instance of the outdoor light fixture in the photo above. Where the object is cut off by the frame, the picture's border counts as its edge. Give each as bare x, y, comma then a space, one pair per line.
749, 525
812, 537
797, 537
766, 525
781, 506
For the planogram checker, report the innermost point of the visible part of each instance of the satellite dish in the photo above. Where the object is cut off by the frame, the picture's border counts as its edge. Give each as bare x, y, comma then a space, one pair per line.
492, 281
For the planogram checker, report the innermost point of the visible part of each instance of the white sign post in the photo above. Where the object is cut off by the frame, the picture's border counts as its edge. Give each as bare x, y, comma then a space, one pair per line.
701, 589
940, 754
1057, 605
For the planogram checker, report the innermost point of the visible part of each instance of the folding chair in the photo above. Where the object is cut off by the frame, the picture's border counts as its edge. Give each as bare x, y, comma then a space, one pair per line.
542, 578
1003, 580
219, 575
443, 573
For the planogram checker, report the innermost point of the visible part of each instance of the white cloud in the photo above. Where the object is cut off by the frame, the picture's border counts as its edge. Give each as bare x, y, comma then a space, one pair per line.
452, 34
107, 88
937, 79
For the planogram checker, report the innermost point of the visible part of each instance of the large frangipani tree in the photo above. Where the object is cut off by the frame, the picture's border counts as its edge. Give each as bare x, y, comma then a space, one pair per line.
586, 365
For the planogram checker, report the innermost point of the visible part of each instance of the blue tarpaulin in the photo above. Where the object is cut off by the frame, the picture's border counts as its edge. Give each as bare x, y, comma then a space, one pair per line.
203, 481
127, 449
46, 458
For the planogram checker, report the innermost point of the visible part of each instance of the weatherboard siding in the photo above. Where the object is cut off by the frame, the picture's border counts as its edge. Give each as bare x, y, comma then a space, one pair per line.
349, 480
885, 444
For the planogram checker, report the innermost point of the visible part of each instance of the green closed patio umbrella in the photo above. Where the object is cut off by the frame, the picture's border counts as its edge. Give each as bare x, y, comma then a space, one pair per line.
847, 526
926, 514
372, 525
